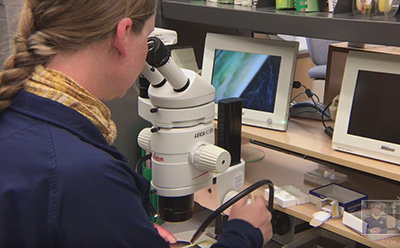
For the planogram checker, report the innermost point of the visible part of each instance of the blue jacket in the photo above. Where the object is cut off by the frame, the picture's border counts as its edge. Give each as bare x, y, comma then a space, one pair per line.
62, 185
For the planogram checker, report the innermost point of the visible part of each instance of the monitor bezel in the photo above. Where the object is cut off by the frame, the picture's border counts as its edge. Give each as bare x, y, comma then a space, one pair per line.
342, 141
287, 50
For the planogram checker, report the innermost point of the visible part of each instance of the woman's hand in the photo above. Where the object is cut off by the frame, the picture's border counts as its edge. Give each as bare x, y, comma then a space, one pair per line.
256, 213
169, 237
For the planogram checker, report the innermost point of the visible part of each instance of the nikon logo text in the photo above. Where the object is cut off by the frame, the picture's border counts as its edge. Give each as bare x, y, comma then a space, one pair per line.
388, 148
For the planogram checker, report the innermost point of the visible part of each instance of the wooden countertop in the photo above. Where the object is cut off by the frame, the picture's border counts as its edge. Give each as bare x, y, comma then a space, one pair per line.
307, 137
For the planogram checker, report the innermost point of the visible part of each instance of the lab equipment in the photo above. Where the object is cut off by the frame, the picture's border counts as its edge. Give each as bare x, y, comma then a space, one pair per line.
180, 106
309, 109
349, 200
181, 109
259, 71
366, 123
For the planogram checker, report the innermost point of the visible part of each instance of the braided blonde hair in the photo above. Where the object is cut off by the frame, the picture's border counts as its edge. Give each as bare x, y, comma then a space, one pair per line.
49, 27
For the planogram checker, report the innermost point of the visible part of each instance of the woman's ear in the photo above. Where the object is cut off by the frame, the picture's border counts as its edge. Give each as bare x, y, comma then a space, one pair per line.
122, 35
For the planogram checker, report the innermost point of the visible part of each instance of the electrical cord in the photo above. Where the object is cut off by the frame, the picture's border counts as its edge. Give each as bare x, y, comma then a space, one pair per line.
323, 113
327, 129
139, 170
138, 166
234, 199
309, 93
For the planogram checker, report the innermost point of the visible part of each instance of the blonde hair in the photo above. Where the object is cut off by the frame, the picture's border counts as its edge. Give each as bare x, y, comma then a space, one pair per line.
49, 27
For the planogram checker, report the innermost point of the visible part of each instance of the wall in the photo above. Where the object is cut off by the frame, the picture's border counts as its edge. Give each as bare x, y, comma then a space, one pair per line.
9, 13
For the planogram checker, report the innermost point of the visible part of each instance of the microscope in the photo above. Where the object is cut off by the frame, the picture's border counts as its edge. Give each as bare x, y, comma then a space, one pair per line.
180, 106
184, 160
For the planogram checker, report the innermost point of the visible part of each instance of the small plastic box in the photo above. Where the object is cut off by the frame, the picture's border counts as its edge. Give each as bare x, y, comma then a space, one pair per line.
288, 196
324, 176
301, 198
349, 199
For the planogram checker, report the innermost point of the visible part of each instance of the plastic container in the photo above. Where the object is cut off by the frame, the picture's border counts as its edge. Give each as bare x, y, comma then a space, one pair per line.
386, 8
364, 8
348, 199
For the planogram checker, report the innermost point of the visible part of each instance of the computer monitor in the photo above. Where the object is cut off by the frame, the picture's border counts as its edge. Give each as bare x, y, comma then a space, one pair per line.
367, 122
259, 71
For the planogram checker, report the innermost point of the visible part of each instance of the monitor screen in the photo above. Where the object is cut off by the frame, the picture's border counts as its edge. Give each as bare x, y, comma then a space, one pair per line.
259, 71
367, 100
367, 123
249, 76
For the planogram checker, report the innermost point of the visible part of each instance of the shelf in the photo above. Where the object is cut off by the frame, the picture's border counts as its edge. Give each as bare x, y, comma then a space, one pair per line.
307, 137
324, 25
283, 169
305, 212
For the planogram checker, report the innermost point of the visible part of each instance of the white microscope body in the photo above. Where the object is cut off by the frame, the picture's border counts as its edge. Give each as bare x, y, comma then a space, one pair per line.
181, 109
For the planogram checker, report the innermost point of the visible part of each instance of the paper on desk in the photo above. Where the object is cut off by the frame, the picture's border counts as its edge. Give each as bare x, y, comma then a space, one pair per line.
185, 58
203, 244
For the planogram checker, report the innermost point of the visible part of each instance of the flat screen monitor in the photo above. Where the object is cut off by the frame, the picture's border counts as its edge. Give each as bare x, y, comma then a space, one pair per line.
367, 121
259, 71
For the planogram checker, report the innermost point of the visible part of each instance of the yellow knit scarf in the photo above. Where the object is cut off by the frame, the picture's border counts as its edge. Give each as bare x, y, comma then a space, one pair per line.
58, 87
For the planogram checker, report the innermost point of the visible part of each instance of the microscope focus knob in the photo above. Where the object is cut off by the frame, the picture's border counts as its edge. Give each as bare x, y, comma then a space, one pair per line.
144, 138
211, 158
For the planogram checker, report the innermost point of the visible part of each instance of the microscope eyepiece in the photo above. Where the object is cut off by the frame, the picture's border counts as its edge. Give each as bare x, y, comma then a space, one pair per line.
159, 57
158, 54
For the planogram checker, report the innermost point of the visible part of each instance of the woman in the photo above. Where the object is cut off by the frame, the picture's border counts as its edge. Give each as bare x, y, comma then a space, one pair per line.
62, 183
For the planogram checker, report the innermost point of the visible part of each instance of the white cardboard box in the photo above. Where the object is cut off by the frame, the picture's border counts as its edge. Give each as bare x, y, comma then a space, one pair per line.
288, 196
353, 220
